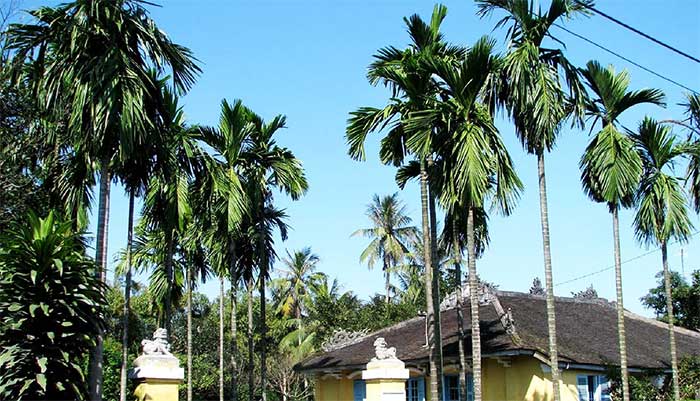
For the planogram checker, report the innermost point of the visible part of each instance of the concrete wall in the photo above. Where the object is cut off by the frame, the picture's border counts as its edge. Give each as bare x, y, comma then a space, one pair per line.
523, 380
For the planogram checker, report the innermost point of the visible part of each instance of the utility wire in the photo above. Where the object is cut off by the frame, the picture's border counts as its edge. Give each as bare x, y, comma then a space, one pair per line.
626, 59
638, 32
623, 262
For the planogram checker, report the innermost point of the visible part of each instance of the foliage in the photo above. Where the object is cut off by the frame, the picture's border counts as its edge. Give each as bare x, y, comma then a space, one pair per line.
685, 296
655, 385
50, 310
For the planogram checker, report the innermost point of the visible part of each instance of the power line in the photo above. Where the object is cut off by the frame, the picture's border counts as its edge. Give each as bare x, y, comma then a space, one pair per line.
626, 59
637, 31
613, 266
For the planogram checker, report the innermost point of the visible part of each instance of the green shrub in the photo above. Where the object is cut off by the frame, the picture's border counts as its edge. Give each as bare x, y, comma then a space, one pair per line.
50, 310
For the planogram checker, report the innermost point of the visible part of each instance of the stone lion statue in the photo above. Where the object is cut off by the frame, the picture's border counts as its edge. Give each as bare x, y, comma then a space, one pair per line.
159, 345
382, 351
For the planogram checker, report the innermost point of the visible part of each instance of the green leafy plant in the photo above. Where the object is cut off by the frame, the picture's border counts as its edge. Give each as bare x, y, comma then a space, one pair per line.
50, 310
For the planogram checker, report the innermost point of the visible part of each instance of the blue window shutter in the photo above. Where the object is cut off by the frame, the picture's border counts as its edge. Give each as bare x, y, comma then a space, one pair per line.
421, 388
603, 388
359, 390
470, 387
582, 385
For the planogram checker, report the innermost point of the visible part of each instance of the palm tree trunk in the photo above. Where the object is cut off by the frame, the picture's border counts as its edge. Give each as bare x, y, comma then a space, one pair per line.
234, 327
190, 283
429, 311
457, 250
549, 280
387, 279
127, 300
251, 361
170, 244
671, 333
263, 337
620, 308
474, 304
437, 321
95, 368
221, 337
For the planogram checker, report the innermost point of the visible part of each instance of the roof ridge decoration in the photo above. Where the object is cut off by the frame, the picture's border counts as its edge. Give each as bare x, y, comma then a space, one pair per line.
450, 301
505, 317
342, 338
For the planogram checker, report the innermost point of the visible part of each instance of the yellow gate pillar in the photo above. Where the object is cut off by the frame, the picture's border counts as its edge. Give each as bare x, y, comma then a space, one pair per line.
156, 371
386, 375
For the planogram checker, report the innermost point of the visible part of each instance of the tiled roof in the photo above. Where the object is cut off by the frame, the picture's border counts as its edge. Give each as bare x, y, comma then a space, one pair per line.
586, 334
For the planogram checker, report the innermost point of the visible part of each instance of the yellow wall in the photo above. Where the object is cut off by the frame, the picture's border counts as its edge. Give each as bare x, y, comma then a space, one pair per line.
332, 389
524, 380
157, 390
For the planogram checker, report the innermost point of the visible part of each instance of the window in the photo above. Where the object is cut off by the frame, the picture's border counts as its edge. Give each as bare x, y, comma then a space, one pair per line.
593, 388
415, 389
359, 390
450, 388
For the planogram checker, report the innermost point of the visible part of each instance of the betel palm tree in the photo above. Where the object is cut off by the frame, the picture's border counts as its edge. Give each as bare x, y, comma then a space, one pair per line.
267, 166
412, 87
533, 93
477, 169
611, 168
662, 207
92, 59
390, 232
228, 202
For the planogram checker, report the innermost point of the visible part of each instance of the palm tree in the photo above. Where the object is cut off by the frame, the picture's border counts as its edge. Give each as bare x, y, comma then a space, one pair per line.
228, 203
389, 234
611, 168
94, 58
267, 166
299, 275
533, 94
662, 207
477, 169
413, 87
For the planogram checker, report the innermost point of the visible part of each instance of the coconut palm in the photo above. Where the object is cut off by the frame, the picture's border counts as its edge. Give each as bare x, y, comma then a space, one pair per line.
413, 87
299, 276
533, 93
390, 232
93, 60
662, 207
610, 166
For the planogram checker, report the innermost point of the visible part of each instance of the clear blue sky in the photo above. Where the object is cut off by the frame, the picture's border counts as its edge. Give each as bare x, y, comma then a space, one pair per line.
307, 59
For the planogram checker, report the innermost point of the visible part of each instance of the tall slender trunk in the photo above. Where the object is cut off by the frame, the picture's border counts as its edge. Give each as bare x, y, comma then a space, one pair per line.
549, 280
95, 368
263, 322
620, 308
437, 321
251, 360
457, 250
170, 244
263, 337
127, 301
474, 304
671, 333
429, 312
234, 327
387, 280
190, 285
221, 337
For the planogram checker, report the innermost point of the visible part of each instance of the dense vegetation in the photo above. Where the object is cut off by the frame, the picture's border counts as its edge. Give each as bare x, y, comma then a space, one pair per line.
90, 98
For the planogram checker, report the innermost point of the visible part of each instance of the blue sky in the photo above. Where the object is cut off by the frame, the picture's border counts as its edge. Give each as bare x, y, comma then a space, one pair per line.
307, 60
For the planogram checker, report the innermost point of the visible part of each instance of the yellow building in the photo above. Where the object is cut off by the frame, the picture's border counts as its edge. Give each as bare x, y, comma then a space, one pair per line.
514, 350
